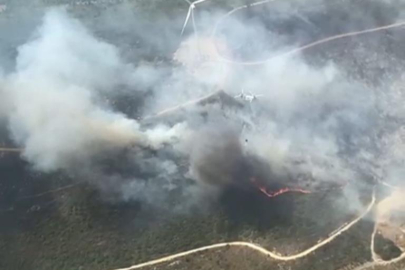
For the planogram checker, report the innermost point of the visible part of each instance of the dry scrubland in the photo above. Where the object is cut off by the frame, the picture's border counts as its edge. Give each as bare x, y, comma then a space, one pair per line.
75, 229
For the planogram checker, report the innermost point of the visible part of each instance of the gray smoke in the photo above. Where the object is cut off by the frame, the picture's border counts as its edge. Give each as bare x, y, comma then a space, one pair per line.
320, 118
55, 97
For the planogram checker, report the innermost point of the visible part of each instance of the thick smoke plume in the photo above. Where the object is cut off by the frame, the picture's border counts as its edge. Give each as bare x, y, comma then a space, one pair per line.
56, 107
320, 119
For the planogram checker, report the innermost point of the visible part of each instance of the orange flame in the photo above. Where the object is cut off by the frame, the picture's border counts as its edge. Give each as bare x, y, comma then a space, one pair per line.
272, 194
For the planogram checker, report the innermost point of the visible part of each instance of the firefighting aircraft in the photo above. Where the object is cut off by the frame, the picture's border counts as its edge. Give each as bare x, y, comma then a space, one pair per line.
247, 97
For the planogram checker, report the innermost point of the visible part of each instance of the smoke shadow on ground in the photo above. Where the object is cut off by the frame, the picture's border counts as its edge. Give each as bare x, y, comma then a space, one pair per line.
248, 206
20, 208
105, 213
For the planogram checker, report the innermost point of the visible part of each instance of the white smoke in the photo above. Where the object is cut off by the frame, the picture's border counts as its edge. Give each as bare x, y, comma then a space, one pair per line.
311, 121
56, 111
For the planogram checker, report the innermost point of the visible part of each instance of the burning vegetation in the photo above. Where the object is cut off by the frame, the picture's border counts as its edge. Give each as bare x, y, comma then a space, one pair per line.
134, 134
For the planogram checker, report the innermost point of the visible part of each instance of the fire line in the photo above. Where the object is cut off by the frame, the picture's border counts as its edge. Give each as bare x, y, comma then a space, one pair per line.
272, 194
